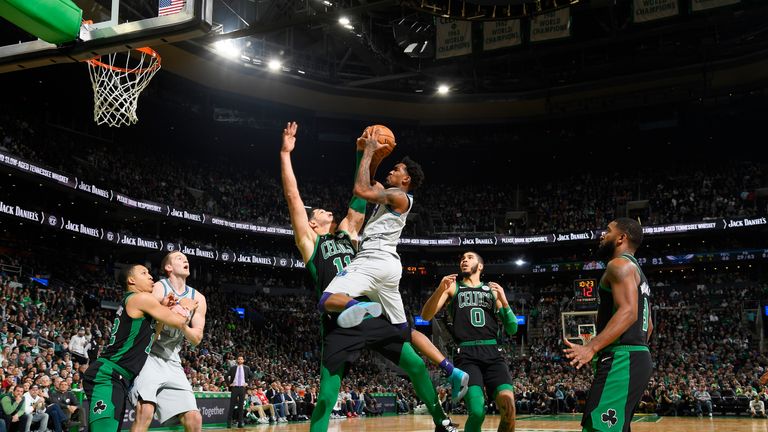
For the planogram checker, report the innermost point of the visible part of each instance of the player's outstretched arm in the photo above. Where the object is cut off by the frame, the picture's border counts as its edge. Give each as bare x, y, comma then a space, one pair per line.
394, 198
304, 236
438, 298
146, 304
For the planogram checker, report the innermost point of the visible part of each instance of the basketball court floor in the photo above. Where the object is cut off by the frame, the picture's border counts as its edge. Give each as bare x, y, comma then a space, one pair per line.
525, 423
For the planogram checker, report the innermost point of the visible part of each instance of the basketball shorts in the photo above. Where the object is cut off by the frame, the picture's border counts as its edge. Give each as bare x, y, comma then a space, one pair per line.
164, 383
486, 367
106, 386
342, 346
621, 375
375, 274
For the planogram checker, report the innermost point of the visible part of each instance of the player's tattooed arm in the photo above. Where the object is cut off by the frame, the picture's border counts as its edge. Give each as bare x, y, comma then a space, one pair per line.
394, 198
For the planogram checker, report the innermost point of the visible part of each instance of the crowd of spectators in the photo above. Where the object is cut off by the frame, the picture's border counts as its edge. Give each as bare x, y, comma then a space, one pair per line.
227, 188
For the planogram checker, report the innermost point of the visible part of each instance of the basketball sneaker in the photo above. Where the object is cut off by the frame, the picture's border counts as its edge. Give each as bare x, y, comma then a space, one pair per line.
447, 426
459, 384
354, 315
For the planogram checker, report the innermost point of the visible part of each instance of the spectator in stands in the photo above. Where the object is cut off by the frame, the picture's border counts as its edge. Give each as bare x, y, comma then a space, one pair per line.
311, 399
289, 398
69, 404
78, 346
703, 400
647, 403
665, 405
275, 395
13, 409
265, 403
757, 407
255, 409
34, 408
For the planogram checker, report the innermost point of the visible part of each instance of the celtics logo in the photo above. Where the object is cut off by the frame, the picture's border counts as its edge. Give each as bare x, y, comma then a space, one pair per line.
609, 417
99, 407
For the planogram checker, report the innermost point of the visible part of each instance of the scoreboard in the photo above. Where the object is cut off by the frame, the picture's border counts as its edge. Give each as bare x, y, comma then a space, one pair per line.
585, 291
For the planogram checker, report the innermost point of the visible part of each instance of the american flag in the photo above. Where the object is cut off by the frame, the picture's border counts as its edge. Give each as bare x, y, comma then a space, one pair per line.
170, 7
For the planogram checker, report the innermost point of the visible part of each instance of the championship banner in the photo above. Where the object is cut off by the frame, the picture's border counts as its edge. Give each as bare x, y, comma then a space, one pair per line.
551, 25
501, 34
700, 5
649, 10
453, 38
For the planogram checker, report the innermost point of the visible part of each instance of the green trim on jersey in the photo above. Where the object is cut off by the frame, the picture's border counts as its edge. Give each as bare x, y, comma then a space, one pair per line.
310, 262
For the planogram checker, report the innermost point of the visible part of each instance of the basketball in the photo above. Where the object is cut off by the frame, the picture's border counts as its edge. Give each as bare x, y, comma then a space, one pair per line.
385, 137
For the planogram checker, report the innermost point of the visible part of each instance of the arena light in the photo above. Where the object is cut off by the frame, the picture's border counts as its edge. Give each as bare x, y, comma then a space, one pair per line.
344, 21
274, 65
226, 48
443, 89
519, 262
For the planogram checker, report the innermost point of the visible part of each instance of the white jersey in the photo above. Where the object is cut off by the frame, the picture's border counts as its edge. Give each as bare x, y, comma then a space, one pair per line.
168, 345
384, 228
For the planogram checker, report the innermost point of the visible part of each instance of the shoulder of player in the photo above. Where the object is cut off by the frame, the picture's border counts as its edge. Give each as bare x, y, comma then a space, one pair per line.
618, 268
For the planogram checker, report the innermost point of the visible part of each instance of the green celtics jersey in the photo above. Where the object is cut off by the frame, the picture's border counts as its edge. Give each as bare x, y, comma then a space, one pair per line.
637, 333
130, 341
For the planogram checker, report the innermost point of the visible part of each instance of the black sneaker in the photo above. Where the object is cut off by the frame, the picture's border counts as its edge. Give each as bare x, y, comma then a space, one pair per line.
447, 426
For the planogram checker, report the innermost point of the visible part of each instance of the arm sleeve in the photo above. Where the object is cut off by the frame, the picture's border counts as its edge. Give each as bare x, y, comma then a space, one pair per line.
509, 320
356, 203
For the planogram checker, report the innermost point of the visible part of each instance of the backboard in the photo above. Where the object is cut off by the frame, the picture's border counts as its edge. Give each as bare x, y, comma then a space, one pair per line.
578, 324
112, 25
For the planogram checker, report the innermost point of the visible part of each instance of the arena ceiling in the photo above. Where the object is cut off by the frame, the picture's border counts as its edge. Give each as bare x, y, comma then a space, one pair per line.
361, 43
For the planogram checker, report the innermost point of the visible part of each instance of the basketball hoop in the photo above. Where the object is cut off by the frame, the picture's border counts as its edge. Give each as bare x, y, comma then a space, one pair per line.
118, 79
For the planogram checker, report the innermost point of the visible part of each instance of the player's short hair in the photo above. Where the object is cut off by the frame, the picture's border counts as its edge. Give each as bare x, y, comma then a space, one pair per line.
310, 213
479, 258
125, 273
414, 171
166, 260
632, 229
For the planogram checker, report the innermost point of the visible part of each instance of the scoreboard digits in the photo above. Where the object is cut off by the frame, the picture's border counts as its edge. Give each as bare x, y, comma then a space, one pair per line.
585, 291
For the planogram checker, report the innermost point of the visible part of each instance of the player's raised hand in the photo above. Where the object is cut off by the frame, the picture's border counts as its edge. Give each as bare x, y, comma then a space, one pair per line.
372, 142
499, 291
289, 137
578, 354
448, 282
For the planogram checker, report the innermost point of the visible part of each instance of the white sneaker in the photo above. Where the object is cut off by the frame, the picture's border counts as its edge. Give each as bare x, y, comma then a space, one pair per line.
354, 315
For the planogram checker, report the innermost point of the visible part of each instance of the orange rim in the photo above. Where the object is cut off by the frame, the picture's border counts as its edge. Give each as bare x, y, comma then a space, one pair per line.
146, 50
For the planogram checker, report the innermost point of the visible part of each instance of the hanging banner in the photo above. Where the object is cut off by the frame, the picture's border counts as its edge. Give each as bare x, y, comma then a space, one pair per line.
501, 34
700, 5
551, 25
454, 38
649, 10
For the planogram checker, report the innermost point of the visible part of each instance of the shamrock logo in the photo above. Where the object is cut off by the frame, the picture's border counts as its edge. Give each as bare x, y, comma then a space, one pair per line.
99, 407
609, 417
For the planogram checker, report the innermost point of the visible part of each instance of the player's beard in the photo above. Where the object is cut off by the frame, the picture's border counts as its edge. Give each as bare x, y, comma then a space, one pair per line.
472, 270
606, 250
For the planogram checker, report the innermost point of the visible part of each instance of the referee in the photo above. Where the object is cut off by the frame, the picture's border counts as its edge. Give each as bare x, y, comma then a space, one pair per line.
238, 377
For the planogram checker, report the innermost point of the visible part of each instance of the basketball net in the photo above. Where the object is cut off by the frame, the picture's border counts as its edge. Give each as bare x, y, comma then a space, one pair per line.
117, 80
585, 338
